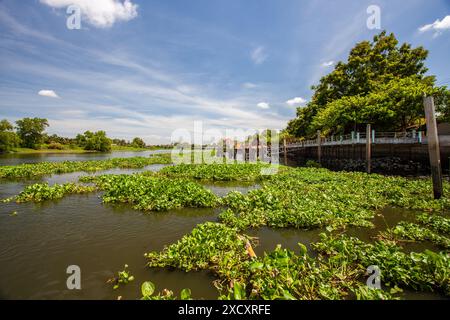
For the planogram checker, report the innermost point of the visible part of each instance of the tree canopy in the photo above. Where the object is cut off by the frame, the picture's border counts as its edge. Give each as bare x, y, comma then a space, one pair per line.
8, 138
97, 141
138, 143
31, 131
382, 83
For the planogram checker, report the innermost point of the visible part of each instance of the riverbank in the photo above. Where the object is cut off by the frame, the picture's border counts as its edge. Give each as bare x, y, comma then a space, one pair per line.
124, 148
77, 150
45, 151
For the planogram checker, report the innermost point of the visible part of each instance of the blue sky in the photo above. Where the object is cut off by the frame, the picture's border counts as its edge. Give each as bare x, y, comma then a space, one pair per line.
146, 68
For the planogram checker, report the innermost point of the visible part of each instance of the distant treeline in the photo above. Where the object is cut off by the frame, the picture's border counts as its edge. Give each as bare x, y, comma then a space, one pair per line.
30, 133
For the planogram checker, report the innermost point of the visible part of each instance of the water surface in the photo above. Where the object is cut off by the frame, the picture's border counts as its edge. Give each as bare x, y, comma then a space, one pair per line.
11, 159
42, 240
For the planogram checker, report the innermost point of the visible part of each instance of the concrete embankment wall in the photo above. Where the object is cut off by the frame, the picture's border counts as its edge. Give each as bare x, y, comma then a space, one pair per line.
386, 158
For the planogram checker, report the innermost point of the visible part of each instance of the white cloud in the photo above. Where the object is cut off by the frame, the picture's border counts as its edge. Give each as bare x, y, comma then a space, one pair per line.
328, 64
259, 55
249, 85
99, 13
164, 94
438, 26
297, 101
48, 93
263, 105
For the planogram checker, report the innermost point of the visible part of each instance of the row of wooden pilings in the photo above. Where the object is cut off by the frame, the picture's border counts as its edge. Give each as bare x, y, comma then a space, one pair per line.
432, 140
369, 139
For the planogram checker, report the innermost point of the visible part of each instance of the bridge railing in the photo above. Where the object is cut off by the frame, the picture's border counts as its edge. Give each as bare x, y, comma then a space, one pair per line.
360, 138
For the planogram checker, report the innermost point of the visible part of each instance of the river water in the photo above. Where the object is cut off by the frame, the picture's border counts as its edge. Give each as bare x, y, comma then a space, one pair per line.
42, 240
11, 159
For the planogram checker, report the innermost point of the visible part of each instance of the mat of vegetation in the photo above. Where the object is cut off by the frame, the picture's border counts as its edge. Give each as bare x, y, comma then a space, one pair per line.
40, 192
433, 228
280, 274
311, 198
425, 271
220, 172
150, 192
36, 170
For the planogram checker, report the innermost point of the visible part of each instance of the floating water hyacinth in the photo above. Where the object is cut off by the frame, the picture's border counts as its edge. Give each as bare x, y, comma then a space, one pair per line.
28, 171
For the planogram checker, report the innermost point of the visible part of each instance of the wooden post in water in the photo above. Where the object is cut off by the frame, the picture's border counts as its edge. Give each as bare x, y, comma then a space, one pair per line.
244, 145
285, 151
319, 147
257, 146
368, 148
224, 151
433, 146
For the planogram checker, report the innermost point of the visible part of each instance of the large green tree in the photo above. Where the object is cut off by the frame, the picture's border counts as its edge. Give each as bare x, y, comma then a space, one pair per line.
138, 143
97, 141
382, 83
31, 131
8, 138
442, 102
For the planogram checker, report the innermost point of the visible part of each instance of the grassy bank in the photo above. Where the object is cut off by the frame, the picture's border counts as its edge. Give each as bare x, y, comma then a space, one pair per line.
132, 149
78, 150
150, 148
44, 151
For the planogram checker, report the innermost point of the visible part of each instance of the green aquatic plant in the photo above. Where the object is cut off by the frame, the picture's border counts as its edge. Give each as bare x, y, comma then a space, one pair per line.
312, 164
411, 231
153, 193
40, 192
436, 222
427, 271
280, 274
36, 170
210, 246
148, 288
123, 277
313, 198
219, 171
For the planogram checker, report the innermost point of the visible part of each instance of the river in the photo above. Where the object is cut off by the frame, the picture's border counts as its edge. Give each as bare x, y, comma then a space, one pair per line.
42, 240
10, 159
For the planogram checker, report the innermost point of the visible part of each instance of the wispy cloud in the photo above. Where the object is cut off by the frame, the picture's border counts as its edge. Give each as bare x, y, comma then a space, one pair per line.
263, 105
295, 102
438, 26
20, 29
99, 13
249, 85
339, 43
259, 55
327, 64
48, 93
